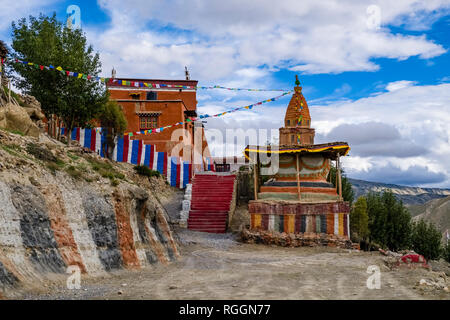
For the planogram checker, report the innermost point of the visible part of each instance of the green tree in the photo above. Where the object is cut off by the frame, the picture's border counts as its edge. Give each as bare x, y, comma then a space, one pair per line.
3, 53
359, 220
111, 118
46, 41
347, 191
389, 221
446, 252
426, 239
377, 218
3, 49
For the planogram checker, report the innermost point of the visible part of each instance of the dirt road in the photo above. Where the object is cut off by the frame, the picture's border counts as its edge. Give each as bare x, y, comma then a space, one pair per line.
218, 267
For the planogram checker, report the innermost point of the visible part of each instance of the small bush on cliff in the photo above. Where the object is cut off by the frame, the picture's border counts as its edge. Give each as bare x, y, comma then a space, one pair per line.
145, 171
105, 169
97, 165
72, 156
12, 149
20, 133
74, 172
40, 153
53, 167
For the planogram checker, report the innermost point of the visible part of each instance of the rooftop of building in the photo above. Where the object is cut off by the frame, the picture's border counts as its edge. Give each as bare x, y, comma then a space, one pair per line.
329, 150
114, 82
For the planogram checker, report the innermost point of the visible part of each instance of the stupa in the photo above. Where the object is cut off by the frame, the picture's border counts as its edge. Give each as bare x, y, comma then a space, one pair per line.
297, 203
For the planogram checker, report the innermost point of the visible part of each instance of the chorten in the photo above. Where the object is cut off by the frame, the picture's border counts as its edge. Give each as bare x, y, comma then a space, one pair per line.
297, 121
297, 199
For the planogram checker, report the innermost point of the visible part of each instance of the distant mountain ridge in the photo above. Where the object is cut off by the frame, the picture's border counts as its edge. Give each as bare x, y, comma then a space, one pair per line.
409, 195
436, 211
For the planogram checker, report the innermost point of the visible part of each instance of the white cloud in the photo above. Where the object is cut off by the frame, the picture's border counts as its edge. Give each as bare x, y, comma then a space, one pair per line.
215, 38
397, 85
14, 10
404, 129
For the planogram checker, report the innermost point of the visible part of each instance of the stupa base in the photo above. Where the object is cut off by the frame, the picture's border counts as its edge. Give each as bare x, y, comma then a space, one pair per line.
296, 239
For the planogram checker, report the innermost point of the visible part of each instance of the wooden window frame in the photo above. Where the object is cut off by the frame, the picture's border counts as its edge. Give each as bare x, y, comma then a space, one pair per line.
149, 121
155, 93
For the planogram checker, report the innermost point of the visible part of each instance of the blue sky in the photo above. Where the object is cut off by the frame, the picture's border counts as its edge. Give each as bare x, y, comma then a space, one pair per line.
386, 82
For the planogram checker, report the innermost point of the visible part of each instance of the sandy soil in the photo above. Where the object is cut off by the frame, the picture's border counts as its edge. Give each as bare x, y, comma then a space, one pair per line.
218, 267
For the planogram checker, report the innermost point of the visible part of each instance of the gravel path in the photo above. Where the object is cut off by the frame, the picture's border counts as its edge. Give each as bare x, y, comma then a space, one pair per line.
216, 266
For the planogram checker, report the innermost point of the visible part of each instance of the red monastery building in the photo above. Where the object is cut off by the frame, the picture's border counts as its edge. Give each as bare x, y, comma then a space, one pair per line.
154, 103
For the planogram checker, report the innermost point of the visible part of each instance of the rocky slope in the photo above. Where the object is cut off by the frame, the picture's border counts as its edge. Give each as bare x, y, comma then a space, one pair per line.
63, 206
409, 195
436, 211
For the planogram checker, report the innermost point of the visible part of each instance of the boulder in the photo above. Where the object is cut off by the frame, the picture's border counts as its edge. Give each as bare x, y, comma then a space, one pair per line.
15, 118
33, 107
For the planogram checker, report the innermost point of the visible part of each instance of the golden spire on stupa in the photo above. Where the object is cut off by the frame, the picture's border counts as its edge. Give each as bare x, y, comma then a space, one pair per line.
297, 112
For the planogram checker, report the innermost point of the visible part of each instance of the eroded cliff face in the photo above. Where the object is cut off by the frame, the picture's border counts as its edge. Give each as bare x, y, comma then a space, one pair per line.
77, 210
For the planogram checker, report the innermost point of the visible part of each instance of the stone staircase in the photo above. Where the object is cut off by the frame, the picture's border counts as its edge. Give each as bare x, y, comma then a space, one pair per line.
211, 200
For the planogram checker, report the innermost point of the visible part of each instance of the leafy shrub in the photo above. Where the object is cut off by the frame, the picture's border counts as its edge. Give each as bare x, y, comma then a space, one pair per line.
53, 167
74, 172
110, 174
12, 149
97, 165
40, 153
59, 162
20, 133
120, 176
72, 156
107, 174
145, 171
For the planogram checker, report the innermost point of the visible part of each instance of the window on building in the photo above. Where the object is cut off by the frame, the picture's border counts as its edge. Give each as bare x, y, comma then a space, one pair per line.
135, 96
148, 122
292, 138
223, 167
151, 95
288, 123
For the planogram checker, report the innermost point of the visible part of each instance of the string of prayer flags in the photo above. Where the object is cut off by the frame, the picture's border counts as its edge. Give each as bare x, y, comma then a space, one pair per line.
138, 84
209, 116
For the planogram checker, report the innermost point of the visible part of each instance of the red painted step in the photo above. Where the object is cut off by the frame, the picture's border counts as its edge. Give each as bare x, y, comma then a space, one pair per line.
210, 203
